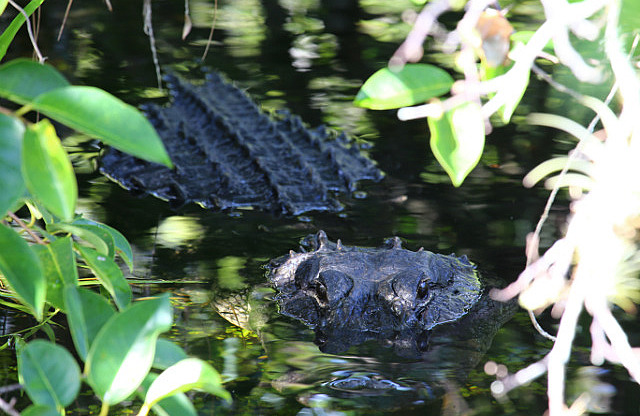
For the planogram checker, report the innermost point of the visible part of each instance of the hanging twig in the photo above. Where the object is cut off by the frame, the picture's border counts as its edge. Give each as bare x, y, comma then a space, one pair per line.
148, 30
213, 25
41, 59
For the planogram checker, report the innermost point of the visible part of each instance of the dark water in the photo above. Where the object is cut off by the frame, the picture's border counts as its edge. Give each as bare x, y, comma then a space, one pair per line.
309, 58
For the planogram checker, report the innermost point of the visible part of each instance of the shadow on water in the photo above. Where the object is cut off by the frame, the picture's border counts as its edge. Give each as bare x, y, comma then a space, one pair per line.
311, 57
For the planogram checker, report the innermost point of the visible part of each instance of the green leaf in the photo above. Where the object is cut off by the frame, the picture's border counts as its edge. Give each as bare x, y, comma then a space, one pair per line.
22, 270
457, 140
188, 374
176, 405
99, 114
40, 410
22, 80
87, 312
47, 171
49, 374
3, 5
122, 246
109, 275
121, 355
98, 237
59, 266
167, 354
10, 32
11, 131
413, 84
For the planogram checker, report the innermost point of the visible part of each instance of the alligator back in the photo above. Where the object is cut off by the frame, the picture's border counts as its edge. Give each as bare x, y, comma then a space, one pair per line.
228, 154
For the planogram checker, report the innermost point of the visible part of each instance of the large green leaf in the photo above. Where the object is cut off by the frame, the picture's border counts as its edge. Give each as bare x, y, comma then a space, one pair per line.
87, 312
10, 32
122, 246
59, 267
413, 84
167, 354
22, 270
457, 140
99, 114
47, 171
22, 80
40, 410
188, 374
48, 373
98, 237
11, 131
176, 405
121, 355
109, 275
3, 5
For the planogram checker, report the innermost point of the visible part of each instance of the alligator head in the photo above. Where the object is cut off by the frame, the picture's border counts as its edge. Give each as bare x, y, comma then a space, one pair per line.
349, 295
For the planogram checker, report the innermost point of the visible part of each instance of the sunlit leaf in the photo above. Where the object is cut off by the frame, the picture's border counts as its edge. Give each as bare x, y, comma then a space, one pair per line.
11, 131
10, 32
47, 171
59, 268
109, 275
87, 312
122, 246
176, 405
48, 373
167, 354
22, 80
413, 84
99, 114
98, 237
22, 270
629, 21
457, 140
40, 410
3, 5
122, 353
188, 374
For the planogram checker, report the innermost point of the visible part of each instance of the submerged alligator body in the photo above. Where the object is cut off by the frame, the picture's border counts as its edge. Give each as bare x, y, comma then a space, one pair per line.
230, 154
350, 295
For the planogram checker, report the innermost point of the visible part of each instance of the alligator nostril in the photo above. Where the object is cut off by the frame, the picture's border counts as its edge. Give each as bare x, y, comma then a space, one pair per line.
423, 289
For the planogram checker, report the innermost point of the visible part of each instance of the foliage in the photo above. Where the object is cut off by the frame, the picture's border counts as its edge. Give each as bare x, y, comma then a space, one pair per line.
596, 264
117, 347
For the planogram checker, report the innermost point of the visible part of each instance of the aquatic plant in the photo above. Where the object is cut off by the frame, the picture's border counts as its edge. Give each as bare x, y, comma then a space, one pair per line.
116, 339
595, 265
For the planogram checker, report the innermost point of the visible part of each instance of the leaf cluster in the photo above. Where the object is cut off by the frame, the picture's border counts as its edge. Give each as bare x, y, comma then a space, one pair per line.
117, 340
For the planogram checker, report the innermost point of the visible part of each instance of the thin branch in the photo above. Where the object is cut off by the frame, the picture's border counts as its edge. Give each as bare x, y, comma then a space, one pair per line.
213, 25
64, 19
148, 30
41, 59
29, 231
8, 407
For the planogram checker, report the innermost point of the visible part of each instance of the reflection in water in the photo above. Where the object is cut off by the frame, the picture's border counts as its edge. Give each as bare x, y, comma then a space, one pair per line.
370, 374
486, 218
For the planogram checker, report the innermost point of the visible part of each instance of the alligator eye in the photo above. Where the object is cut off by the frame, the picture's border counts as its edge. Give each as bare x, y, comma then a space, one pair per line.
321, 292
423, 290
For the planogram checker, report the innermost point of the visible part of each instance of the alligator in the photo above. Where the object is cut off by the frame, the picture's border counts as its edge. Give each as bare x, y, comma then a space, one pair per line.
349, 295
229, 154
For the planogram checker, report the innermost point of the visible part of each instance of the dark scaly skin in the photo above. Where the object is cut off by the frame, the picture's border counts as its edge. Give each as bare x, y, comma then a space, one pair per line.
229, 153
349, 295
